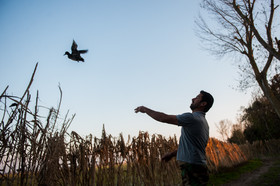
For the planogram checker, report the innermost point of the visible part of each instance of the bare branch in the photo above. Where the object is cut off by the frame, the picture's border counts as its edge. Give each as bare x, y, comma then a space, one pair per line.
237, 30
257, 34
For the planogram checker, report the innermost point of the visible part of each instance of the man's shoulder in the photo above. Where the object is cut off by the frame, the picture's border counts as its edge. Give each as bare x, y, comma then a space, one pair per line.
185, 118
186, 114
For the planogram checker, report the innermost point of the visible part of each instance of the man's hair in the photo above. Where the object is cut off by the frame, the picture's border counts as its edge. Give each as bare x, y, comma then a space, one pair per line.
208, 98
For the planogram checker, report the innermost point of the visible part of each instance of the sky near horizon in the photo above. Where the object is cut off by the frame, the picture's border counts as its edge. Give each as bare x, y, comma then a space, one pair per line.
140, 53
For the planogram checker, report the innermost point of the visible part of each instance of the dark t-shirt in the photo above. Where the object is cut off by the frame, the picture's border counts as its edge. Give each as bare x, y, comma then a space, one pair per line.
194, 138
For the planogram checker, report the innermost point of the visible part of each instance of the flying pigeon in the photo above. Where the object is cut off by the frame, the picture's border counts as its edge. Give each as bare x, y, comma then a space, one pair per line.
76, 54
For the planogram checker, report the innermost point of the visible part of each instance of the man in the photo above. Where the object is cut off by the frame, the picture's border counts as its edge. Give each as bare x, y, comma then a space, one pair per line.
191, 154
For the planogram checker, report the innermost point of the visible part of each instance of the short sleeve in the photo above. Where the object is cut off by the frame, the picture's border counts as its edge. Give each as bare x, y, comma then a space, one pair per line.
185, 119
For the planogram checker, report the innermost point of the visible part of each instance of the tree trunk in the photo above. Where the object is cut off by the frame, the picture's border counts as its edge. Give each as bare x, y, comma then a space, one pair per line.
275, 103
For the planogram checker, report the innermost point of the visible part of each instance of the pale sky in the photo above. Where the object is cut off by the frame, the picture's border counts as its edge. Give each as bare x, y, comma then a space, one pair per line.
141, 52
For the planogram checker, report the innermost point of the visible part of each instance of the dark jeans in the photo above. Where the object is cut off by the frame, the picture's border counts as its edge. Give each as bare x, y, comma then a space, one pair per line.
194, 174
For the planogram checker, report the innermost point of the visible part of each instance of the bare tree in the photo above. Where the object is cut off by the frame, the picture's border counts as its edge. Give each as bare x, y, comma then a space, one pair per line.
223, 128
246, 28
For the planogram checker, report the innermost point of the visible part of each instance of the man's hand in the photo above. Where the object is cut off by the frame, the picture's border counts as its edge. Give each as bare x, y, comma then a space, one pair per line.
159, 116
168, 156
140, 109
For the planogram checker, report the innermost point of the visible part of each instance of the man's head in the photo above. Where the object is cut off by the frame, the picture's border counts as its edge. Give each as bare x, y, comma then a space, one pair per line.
202, 102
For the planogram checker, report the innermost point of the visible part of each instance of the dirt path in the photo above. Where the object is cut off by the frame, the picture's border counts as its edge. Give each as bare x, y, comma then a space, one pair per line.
248, 178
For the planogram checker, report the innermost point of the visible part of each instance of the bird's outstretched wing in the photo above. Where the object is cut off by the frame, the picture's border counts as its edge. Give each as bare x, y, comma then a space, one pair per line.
83, 51
74, 46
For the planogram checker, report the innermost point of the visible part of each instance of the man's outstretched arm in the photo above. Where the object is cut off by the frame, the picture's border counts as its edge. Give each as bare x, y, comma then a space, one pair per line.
159, 116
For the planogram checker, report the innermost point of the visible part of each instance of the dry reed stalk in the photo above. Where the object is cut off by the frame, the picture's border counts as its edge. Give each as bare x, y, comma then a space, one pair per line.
23, 142
23, 96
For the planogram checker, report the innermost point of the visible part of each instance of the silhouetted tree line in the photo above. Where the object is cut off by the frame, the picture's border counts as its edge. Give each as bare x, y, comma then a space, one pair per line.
259, 120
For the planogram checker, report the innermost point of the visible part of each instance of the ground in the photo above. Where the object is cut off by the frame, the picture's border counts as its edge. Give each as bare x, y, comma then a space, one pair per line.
256, 177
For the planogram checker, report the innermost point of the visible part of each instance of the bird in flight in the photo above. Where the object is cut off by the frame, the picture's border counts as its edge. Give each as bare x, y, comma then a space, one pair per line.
75, 54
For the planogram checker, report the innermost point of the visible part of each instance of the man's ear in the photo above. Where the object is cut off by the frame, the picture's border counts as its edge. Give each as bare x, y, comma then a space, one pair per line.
203, 104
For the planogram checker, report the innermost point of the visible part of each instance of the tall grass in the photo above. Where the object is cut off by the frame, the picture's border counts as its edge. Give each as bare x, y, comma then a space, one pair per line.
37, 150
259, 149
221, 155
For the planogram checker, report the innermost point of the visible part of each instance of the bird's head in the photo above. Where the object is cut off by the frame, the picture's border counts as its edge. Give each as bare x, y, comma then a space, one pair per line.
66, 53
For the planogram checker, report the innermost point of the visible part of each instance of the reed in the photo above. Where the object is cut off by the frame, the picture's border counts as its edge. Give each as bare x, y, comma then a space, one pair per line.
263, 148
223, 155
